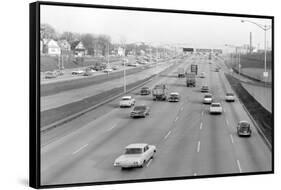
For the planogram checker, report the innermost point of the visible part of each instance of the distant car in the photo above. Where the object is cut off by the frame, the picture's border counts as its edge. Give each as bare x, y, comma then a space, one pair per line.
208, 98
174, 97
229, 97
217, 69
204, 88
127, 101
140, 111
107, 70
58, 72
50, 75
77, 72
145, 91
115, 67
136, 155
202, 75
244, 129
215, 108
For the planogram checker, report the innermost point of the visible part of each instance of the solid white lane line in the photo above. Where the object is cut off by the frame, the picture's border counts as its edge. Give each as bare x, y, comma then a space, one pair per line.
239, 166
226, 121
176, 118
198, 146
148, 162
78, 150
231, 139
202, 113
201, 124
167, 135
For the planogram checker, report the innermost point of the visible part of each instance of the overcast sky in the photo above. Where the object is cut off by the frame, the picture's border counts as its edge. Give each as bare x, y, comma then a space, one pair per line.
201, 31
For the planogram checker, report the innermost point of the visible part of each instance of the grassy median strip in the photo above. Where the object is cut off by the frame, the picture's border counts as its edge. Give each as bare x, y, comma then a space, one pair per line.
262, 117
50, 116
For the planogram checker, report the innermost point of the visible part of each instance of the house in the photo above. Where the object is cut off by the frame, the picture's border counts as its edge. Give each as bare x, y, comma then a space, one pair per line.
65, 46
51, 47
78, 49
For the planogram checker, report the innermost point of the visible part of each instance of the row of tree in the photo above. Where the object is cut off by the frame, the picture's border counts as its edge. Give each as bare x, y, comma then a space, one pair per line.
93, 43
97, 44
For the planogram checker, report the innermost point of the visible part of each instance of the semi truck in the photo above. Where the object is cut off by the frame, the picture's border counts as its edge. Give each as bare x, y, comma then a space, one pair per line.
190, 79
160, 92
194, 68
181, 73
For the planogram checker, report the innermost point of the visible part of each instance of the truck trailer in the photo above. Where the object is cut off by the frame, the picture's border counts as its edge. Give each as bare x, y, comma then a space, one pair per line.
160, 92
190, 79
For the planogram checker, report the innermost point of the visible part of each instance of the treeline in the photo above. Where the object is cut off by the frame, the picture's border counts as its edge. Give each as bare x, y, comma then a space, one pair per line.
101, 44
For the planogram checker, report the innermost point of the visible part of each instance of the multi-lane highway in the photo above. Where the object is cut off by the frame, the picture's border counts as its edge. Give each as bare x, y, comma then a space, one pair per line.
188, 139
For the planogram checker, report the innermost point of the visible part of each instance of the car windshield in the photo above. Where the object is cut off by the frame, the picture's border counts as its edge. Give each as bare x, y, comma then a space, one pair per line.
144, 88
229, 94
205, 87
126, 98
244, 126
208, 96
174, 95
139, 108
133, 151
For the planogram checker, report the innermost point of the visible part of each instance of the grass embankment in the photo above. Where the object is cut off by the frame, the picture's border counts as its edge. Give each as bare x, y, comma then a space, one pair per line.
263, 118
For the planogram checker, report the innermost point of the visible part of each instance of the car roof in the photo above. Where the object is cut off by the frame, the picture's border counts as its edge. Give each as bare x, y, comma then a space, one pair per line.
243, 121
126, 97
174, 93
136, 145
216, 103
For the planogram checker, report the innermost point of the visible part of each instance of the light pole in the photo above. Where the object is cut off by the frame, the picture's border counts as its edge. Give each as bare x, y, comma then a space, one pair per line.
238, 59
264, 28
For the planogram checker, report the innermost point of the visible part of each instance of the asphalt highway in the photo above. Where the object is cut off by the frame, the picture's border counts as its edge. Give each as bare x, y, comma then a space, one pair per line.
188, 139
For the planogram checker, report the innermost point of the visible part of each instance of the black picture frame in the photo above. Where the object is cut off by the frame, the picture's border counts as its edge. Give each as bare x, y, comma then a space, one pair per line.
34, 91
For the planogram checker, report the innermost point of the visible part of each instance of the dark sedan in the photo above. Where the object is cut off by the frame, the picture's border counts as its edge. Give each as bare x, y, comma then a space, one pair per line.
145, 91
140, 111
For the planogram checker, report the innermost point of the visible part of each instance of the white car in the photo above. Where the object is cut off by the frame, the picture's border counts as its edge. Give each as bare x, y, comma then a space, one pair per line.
77, 72
208, 98
136, 155
215, 108
229, 97
107, 70
202, 75
127, 101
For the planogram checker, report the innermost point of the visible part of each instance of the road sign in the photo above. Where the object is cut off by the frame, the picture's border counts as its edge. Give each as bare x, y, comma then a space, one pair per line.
265, 74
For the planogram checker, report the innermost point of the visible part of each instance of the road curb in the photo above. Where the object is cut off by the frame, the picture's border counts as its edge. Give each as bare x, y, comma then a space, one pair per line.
267, 142
71, 117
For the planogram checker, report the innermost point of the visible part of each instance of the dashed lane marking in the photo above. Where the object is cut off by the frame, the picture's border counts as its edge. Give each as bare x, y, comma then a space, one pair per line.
198, 146
111, 128
176, 118
231, 137
167, 135
239, 166
226, 121
79, 149
201, 125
